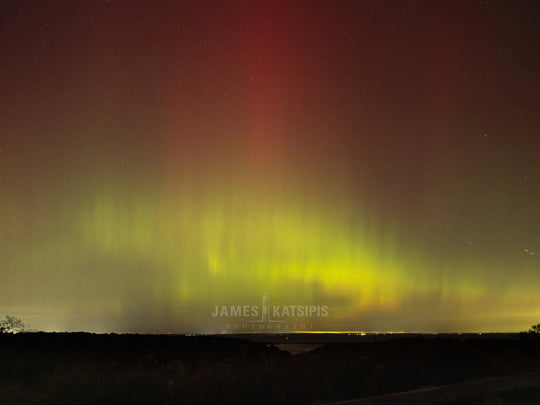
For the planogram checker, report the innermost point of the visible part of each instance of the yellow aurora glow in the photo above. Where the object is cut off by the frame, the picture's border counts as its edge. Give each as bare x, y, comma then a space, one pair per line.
233, 247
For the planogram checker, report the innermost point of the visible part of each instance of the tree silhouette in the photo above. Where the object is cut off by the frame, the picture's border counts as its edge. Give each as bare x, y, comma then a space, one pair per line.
12, 324
535, 329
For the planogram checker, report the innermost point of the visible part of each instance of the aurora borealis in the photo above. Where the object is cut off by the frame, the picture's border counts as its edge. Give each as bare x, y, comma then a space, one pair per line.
379, 157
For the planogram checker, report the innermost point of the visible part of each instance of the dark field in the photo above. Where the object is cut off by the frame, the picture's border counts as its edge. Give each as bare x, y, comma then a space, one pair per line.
44, 368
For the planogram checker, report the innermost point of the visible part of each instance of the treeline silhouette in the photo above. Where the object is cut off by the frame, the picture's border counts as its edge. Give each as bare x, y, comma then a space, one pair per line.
67, 368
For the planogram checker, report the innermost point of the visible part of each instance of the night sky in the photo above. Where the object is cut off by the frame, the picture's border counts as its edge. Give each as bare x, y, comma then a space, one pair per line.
159, 158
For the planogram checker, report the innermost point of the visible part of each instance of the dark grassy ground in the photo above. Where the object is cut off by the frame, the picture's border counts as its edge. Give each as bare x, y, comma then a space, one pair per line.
40, 368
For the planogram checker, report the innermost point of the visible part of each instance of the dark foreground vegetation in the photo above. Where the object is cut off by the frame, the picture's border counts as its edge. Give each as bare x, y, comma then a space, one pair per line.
77, 368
